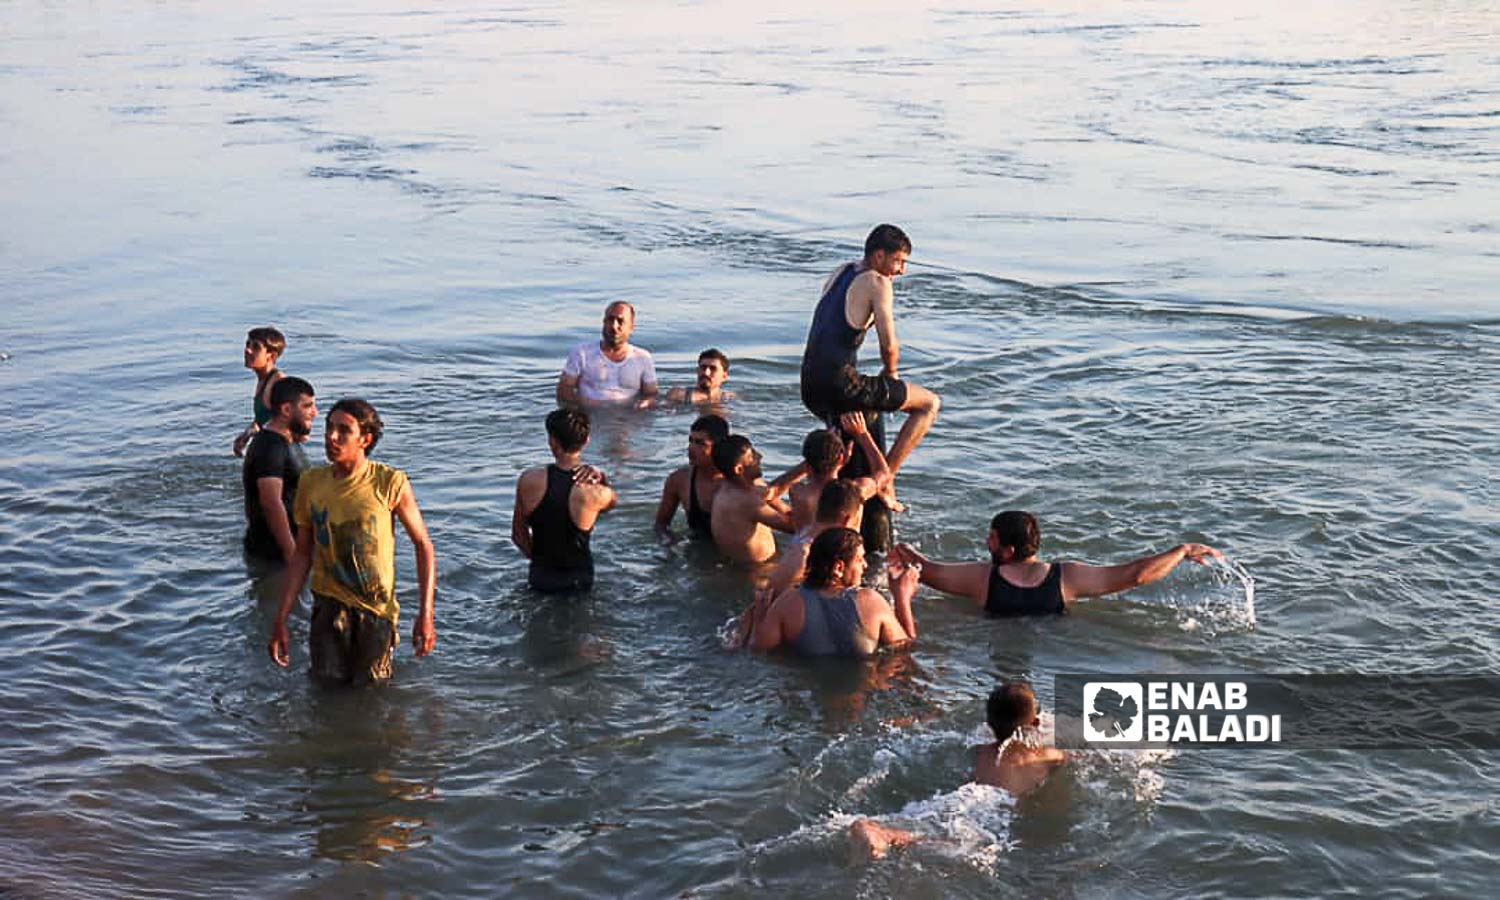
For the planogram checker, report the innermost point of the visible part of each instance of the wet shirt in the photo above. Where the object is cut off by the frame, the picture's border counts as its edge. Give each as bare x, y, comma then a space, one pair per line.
557, 545
831, 625
258, 407
354, 541
1005, 599
270, 456
602, 380
832, 345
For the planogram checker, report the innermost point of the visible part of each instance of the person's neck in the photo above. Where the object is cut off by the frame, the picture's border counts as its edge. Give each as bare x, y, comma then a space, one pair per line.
263, 371
569, 461
282, 427
709, 469
343, 470
1028, 561
617, 352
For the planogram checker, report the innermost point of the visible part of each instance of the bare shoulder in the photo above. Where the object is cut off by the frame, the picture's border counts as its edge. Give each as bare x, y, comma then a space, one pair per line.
676, 482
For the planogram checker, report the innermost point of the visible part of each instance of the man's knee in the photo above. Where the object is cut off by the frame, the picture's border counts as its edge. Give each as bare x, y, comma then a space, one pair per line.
921, 400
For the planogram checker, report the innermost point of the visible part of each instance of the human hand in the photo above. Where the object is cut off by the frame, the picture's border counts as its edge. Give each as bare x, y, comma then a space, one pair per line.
905, 554
904, 576
853, 423
423, 635
278, 645
240, 442
1199, 553
587, 474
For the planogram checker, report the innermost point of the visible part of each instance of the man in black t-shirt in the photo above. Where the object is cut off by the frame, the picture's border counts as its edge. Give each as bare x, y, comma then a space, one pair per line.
273, 465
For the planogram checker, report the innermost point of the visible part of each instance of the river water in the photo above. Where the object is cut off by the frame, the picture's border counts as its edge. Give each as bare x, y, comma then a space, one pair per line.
1179, 273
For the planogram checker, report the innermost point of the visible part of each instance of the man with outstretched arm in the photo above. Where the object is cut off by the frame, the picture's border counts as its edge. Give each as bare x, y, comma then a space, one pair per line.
858, 295
344, 514
1016, 583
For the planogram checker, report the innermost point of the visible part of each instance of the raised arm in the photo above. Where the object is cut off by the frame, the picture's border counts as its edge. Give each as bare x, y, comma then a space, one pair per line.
853, 424
903, 581
970, 580
423, 630
1080, 580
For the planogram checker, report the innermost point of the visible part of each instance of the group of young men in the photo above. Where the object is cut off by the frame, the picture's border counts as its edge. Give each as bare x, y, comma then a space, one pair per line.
336, 522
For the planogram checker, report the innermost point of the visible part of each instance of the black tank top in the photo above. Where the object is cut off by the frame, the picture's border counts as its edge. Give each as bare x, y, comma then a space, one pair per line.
831, 343
556, 543
1005, 599
698, 519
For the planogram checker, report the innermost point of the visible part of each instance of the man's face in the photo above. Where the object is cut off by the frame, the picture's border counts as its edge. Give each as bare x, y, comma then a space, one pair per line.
750, 466
342, 441
889, 264
854, 573
257, 356
619, 322
302, 412
700, 448
711, 374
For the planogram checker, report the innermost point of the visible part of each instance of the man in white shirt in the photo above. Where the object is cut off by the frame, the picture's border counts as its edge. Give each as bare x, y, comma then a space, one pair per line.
609, 372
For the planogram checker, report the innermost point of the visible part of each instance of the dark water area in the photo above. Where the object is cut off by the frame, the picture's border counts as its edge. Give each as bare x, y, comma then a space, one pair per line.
1179, 274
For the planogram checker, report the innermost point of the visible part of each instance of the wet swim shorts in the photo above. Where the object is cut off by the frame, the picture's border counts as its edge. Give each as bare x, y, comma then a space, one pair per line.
349, 645
849, 391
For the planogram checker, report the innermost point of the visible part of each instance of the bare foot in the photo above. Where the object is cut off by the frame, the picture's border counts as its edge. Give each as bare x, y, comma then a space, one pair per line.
888, 495
875, 840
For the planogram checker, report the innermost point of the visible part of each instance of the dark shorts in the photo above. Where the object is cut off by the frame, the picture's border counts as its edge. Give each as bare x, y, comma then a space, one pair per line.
559, 581
349, 645
849, 391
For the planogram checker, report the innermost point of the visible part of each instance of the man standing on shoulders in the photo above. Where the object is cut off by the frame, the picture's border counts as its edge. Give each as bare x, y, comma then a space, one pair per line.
345, 536
272, 469
609, 372
859, 295
713, 371
694, 485
1015, 582
556, 507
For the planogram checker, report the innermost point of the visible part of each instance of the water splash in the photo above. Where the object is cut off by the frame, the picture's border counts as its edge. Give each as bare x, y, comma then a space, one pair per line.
1228, 605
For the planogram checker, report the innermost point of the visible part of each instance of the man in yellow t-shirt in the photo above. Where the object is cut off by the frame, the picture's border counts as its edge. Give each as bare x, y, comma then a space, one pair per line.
344, 515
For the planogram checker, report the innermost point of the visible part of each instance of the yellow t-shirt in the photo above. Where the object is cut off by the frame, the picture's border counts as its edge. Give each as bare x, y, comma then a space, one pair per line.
354, 542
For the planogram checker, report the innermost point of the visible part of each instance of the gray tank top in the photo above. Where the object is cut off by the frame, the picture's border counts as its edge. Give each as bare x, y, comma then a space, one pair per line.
831, 625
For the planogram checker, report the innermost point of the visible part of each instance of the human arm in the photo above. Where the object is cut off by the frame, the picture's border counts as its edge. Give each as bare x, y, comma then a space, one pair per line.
773, 492
568, 379
1081, 580
649, 389
903, 581
423, 630
296, 576
884, 310
671, 494
853, 424
242, 440
970, 580
268, 490
520, 532
770, 631
760, 603
771, 517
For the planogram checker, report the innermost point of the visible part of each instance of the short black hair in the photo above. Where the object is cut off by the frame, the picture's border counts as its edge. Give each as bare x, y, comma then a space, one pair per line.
888, 238
728, 452
365, 417
288, 389
838, 500
1019, 531
713, 425
268, 337
1012, 705
823, 451
715, 353
569, 427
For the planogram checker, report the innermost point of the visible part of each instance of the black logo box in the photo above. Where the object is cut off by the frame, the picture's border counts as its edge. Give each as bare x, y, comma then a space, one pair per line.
1320, 712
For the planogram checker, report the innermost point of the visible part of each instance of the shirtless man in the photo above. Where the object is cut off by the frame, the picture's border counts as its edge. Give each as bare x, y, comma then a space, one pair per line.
694, 485
610, 371
556, 508
855, 297
1018, 767
263, 347
830, 614
1016, 583
825, 453
744, 510
713, 371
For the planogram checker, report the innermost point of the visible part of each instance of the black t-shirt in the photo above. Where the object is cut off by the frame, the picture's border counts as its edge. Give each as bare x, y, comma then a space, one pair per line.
270, 456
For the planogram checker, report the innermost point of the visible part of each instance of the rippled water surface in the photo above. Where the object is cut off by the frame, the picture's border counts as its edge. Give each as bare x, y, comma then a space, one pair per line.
1180, 273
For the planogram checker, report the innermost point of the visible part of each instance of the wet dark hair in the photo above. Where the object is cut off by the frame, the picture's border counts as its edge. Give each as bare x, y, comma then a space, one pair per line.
288, 389
823, 451
728, 452
569, 427
365, 417
1018, 531
269, 338
715, 353
888, 238
838, 501
713, 425
625, 303
1012, 705
834, 545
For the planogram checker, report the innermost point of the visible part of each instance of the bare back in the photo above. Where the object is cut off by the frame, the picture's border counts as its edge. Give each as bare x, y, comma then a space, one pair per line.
737, 527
